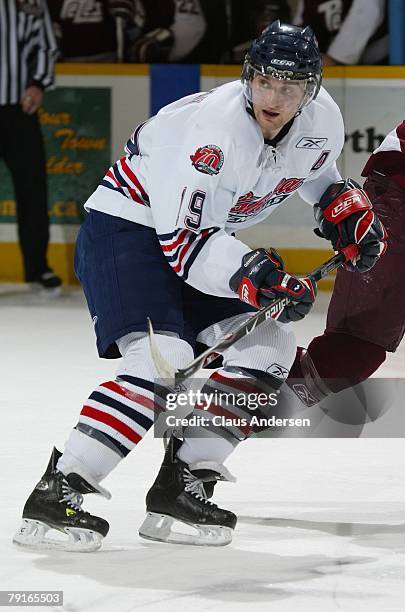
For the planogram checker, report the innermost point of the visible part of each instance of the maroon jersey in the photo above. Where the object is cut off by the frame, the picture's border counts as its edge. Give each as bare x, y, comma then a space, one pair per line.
371, 306
325, 18
84, 28
362, 31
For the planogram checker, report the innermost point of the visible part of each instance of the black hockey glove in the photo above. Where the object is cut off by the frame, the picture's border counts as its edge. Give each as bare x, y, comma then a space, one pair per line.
261, 279
345, 216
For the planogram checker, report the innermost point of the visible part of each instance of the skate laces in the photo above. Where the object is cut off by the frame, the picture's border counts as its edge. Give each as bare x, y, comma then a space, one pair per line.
195, 486
71, 497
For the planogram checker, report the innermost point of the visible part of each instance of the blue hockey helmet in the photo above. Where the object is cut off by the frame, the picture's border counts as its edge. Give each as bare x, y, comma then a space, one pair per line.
285, 52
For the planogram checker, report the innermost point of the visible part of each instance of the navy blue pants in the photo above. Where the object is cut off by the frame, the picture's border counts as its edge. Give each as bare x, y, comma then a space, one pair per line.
126, 278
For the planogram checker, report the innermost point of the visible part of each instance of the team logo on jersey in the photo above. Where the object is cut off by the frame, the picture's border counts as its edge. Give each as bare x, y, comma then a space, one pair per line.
308, 142
208, 159
250, 205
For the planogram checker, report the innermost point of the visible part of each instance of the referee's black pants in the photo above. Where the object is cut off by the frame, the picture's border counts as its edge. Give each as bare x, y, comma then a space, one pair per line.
22, 148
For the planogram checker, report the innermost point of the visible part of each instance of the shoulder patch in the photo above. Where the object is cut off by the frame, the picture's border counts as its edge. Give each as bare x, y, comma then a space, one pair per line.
208, 159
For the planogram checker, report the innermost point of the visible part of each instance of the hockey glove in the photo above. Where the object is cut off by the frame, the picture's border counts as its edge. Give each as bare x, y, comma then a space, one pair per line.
153, 47
345, 216
261, 279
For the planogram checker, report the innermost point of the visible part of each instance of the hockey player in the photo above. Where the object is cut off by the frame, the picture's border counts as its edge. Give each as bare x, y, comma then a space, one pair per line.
348, 31
366, 316
158, 242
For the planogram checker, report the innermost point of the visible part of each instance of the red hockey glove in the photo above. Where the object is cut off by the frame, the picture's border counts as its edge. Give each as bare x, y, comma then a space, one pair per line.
261, 279
345, 216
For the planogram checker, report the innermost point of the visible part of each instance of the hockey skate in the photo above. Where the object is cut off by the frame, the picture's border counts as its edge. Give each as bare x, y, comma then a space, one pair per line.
47, 285
178, 510
55, 504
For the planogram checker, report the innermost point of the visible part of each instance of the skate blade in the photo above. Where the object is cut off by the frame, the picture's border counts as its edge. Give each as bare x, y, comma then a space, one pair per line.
160, 527
32, 534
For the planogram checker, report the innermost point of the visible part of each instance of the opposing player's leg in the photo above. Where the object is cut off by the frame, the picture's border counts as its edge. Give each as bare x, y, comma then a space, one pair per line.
257, 366
119, 412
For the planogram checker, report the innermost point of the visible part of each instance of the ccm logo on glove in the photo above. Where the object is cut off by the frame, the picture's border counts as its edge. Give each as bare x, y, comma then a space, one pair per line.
345, 216
344, 206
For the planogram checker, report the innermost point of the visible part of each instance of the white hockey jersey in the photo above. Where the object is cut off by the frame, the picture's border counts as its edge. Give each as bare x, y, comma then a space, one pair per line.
200, 170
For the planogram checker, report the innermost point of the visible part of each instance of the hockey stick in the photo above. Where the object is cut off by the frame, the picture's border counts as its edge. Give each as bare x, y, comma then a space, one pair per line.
168, 372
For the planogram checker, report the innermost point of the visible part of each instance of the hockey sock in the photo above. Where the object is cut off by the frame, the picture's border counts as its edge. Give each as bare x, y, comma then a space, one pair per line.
256, 366
112, 422
341, 360
211, 447
229, 413
95, 458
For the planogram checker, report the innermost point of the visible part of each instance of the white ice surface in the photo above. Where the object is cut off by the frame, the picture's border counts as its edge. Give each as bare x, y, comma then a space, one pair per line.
321, 521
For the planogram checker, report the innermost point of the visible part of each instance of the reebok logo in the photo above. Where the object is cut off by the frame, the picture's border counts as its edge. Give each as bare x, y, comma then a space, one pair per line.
278, 371
308, 142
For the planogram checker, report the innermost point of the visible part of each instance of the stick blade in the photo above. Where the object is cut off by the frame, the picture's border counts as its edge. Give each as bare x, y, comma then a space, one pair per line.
165, 370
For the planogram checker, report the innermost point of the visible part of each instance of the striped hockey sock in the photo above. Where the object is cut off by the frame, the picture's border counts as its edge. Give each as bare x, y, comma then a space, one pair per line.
229, 410
112, 422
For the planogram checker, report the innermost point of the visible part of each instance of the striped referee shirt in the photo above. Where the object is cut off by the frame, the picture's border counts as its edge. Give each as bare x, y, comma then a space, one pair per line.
27, 48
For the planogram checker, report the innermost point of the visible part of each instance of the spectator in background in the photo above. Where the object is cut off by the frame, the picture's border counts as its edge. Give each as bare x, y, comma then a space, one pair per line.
86, 30
28, 51
348, 31
187, 31
248, 19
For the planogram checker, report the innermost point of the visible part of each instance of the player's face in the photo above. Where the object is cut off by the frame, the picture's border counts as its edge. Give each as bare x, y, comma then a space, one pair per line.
275, 102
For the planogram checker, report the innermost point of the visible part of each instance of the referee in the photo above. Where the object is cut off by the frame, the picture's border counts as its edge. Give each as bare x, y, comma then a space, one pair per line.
27, 55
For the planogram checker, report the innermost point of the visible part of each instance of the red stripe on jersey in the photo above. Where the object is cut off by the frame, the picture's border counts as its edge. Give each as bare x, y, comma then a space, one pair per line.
183, 253
113, 177
131, 395
186, 247
179, 240
129, 172
113, 422
131, 190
